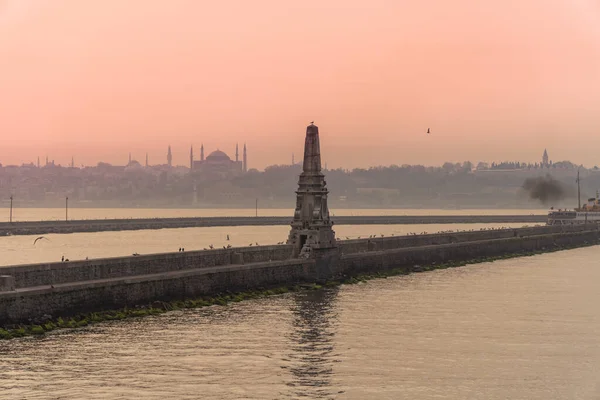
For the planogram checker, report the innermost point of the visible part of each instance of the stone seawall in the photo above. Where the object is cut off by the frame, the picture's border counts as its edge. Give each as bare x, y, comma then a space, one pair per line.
116, 267
415, 257
89, 296
394, 242
64, 289
46, 227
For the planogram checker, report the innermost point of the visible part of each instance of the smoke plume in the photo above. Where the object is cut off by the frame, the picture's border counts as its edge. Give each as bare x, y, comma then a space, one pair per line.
545, 189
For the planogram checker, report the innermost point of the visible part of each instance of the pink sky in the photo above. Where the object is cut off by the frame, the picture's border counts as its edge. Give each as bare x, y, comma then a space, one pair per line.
494, 80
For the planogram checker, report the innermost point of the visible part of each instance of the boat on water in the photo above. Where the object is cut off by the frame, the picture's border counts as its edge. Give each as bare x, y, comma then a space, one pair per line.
586, 214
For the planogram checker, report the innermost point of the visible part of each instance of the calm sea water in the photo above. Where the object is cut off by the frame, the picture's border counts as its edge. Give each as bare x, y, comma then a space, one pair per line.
526, 328
46, 214
78, 246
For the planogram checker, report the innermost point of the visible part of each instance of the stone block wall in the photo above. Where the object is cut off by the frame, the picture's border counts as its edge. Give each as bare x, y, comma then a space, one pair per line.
84, 297
87, 270
395, 242
411, 257
211, 272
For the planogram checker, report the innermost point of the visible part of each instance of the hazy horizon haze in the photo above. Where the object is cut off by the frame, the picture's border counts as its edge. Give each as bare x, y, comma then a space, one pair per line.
494, 81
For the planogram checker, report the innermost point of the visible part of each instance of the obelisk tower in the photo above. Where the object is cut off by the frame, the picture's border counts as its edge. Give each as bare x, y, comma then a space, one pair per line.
311, 227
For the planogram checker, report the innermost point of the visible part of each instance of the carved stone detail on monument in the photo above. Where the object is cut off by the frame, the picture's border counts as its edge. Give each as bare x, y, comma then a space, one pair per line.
311, 227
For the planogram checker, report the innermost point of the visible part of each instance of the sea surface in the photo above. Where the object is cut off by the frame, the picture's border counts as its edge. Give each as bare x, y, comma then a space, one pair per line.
77, 246
49, 214
526, 328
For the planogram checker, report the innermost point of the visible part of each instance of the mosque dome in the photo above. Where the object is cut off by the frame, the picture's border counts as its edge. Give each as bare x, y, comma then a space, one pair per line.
218, 156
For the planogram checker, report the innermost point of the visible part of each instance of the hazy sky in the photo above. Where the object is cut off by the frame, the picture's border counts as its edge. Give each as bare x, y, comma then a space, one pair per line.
493, 79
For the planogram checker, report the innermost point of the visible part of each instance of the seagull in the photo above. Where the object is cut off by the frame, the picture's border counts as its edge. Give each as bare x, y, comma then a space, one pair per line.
41, 237
428, 131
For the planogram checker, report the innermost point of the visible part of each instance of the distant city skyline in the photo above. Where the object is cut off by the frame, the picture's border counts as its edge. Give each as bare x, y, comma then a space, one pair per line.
167, 158
492, 80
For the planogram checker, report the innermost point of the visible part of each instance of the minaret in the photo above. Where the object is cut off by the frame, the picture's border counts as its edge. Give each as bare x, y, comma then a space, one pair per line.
311, 227
72, 162
545, 159
202, 152
237, 153
293, 161
129, 159
146, 160
191, 157
169, 157
38, 162
46, 161
245, 165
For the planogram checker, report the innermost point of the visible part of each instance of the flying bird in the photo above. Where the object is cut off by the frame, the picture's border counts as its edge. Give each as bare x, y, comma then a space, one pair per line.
41, 237
428, 131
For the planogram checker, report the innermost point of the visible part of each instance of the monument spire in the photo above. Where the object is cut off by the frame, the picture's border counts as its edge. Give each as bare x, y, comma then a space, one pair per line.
169, 157
191, 157
245, 165
202, 152
311, 228
237, 153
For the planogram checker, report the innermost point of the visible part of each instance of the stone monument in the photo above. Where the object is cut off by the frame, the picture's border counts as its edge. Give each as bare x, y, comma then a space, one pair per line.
311, 228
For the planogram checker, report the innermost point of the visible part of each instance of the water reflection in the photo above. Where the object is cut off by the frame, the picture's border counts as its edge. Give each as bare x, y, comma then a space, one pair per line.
312, 354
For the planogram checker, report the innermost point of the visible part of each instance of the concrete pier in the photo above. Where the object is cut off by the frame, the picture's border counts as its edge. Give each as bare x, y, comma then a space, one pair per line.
46, 227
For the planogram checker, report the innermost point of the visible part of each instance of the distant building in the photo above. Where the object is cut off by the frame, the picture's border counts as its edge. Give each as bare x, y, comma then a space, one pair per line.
218, 163
545, 162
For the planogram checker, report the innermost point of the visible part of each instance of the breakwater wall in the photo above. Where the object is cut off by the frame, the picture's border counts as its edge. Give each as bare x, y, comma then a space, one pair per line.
395, 242
42, 291
120, 267
46, 227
